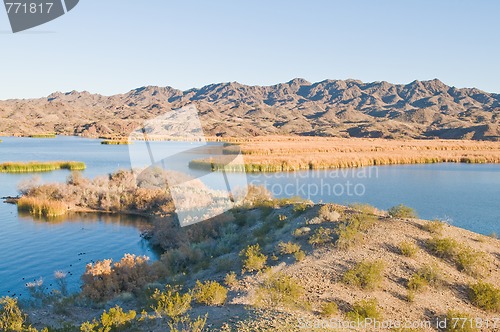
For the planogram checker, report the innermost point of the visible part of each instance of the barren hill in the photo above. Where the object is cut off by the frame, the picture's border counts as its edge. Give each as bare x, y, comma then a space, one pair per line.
344, 108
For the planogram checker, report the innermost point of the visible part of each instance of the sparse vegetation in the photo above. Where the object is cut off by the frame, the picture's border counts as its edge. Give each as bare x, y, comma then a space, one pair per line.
279, 290
485, 296
253, 258
329, 309
402, 212
231, 280
459, 321
365, 275
170, 303
428, 275
321, 236
12, 319
116, 142
363, 310
288, 248
41, 207
435, 226
210, 293
38, 166
408, 249
112, 320
46, 135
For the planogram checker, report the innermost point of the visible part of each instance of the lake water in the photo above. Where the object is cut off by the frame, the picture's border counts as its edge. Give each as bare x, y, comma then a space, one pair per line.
466, 195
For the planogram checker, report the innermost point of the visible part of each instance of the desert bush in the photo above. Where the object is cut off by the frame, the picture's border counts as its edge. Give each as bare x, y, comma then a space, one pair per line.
402, 212
363, 310
288, 248
435, 226
279, 290
425, 276
321, 236
231, 280
365, 275
329, 309
170, 303
348, 236
210, 293
253, 259
301, 207
103, 280
443, 247
12, 319
299, 255
466, 259
182, 259
459, 321
301, 231
363, 208
188, 325
408, 249
485, 296
112, 320
328, 212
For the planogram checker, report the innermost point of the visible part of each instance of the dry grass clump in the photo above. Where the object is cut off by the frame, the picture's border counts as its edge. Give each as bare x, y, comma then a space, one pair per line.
485, 296
363, 310
321, 236
38, 166
428, 275
329, 309
288, 248
41, 207
408, 249
366, 275
458, 321
351, 232
210, 293
435, 226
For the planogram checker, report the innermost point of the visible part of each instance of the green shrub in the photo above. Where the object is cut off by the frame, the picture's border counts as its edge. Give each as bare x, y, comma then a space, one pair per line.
427, 275
458, 321
408, 249
253, 258
300, 208
321, 236
443, 248
288, 248
210, 293
188, 325
472, 262
417, 283
114, 319
348, 236
485, 296
401, 211
12, 319
329, 309
435, 227
170, 303
279, 290
363, 208
365, 275
363, 310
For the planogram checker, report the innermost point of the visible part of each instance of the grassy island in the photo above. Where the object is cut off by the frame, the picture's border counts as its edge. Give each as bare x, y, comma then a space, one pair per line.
116, 142
40, 166
46, 135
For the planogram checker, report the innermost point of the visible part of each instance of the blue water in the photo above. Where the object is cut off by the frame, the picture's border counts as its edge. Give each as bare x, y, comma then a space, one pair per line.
466, 195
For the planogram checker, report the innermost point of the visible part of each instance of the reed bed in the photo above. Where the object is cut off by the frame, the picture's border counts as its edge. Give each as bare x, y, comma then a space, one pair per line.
47, 135
36, 167
278, 154
41, 207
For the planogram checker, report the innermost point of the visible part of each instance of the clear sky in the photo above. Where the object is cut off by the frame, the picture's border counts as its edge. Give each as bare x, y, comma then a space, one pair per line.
113, 46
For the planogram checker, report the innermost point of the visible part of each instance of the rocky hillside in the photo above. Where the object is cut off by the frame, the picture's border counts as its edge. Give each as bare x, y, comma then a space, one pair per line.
345, 108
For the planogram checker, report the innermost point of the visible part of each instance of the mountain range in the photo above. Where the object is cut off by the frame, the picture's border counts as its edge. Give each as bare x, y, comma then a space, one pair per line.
343, 108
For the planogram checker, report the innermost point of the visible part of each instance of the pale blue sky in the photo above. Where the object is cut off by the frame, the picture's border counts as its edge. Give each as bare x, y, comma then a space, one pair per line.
112, 46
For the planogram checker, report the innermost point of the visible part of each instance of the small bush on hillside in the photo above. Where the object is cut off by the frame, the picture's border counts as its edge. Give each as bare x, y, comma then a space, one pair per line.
427, 275
279, 290
231, 280
170, 303
253, 258
11, 317
435, 227
112, 320
329, 309
363, 208
459, 321
299, 255
300, 208
288, 248
210, 293
402, 212
365, 275
443, 248
408, 249
301, 231
348, 236
321, 236
485, 296
363, 310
